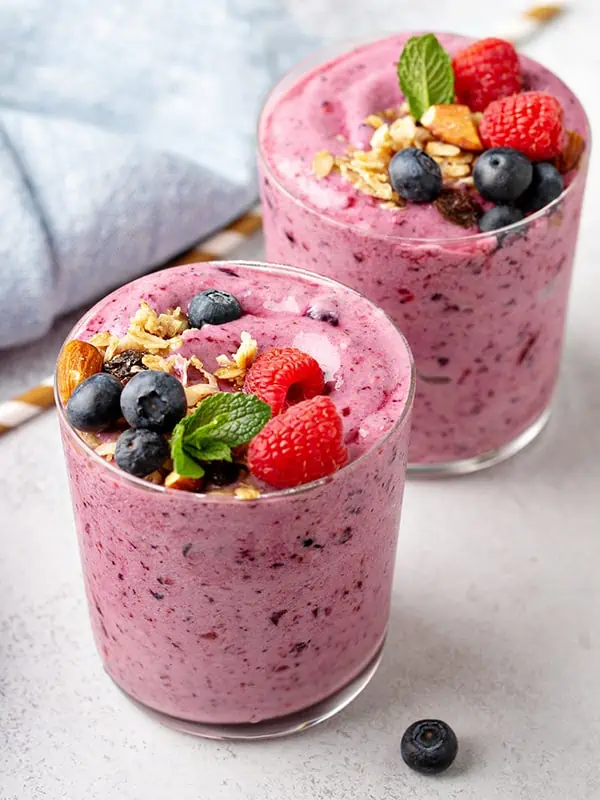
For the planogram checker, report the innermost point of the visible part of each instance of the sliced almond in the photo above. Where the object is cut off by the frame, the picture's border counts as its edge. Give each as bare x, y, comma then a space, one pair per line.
463, 158
76, 362
571, 153
322, 164
194, 394
247, 492
155, 477
450, 170
107, 449
442, 149
90, 439
381, 139
176, 481
403, 131
374, 121
452, 124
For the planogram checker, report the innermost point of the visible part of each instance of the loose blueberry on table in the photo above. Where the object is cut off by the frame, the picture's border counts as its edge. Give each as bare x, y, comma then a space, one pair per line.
273, 423
429, 746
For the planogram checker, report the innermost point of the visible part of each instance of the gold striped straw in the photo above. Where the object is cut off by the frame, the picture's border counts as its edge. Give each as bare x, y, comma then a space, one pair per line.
33, 402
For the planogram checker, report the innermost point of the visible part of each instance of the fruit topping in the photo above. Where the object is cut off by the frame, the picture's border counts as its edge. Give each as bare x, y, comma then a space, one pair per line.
453, 124
76, 362
153, 400
429, 746
502, 174
532, 122
499, 217
213, 307
125, 365
323, 315
140, 452
221, 422
546, 186
301, 445
459, 207
415, 176
569, 156
485, 71
94, 404
224, 473
282, 376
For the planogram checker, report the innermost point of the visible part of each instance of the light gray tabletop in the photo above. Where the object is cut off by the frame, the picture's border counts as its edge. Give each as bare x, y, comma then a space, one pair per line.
496, 622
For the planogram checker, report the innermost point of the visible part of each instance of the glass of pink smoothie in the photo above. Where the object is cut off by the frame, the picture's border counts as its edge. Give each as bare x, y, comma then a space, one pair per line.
250, 618
484, 313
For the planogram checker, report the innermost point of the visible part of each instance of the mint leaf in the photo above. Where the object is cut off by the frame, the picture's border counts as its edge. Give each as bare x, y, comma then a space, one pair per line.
221, 421
230, 417
209, 451
183, 463
425, 74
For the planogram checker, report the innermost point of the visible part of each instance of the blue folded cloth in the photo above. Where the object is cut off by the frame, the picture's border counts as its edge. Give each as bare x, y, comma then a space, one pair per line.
126, 135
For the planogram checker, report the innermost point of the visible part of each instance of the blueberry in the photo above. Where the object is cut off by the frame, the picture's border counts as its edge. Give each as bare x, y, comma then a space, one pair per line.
415, 176
499, 217
94, 405
224, 473
502, 174
140, 452
213, 307
153, 400
546, 186
323, 315
429, 746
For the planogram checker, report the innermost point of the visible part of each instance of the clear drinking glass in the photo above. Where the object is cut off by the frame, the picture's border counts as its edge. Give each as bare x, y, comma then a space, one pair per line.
483, 314
242, 619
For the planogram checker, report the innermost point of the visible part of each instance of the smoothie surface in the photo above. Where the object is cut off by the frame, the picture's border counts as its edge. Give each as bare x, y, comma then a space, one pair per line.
332, 101
366, 362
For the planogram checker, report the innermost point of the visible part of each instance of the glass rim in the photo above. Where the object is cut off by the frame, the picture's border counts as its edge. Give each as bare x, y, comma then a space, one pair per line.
259, 266
302, 68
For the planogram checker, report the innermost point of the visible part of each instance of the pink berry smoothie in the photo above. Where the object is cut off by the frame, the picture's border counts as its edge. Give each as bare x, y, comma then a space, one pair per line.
483, 313
215, 610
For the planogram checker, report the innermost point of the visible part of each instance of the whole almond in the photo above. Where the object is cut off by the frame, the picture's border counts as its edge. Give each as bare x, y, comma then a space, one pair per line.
76, 362
452, 124
571, 153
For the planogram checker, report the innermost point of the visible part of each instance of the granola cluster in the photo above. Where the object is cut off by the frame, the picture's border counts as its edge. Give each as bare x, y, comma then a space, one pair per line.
149, 343
395, 130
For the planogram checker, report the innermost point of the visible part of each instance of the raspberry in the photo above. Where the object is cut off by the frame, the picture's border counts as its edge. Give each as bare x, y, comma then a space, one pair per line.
485, 71
531, 122
303, 444
283, 376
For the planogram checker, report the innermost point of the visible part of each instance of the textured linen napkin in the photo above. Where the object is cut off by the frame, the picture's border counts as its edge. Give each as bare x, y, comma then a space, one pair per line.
126, 135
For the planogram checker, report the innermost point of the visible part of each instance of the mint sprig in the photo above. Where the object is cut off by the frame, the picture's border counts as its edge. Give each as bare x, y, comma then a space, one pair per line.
425, 74
221, 421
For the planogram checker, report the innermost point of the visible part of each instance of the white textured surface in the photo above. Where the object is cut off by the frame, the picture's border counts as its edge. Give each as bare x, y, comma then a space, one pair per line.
496, 625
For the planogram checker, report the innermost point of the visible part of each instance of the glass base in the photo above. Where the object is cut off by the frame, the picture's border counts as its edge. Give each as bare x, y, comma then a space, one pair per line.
271, 728
464, 466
